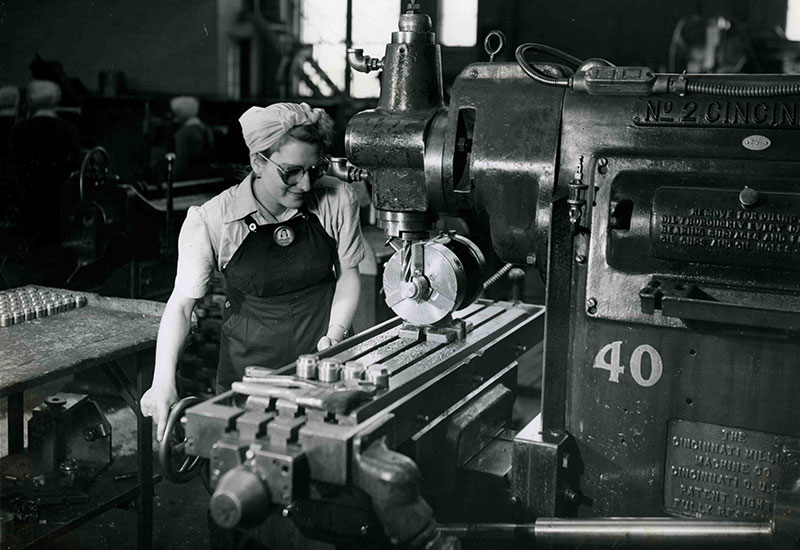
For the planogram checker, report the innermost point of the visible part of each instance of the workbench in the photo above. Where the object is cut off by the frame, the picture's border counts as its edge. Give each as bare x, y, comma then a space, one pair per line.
106, 333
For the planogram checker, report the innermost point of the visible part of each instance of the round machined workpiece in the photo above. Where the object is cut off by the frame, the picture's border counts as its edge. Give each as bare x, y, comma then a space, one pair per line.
330, 370
306, 366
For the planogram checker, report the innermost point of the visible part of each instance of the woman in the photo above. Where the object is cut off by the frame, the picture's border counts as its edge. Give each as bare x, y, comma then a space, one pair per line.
288, 241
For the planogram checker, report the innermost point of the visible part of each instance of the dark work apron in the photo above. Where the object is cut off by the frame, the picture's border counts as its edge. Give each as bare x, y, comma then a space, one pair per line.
280, 285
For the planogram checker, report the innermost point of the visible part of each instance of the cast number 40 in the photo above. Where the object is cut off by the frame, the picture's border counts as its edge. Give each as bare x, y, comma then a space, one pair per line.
609, 358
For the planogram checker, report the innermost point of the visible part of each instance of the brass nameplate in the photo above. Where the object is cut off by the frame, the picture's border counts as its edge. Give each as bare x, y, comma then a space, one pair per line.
720, 472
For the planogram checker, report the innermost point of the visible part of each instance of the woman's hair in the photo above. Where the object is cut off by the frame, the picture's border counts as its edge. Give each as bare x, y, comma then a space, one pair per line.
320, 133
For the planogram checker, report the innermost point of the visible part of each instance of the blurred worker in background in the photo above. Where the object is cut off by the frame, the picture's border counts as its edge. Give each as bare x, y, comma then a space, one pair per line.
43, 151
288, 242
193, 141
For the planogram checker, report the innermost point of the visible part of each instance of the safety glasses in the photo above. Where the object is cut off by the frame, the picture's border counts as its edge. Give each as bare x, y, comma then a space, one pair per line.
293, 175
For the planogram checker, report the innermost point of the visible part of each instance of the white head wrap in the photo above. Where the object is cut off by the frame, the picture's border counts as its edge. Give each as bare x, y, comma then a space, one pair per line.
42, 94
9, 100
262, 127
184, 107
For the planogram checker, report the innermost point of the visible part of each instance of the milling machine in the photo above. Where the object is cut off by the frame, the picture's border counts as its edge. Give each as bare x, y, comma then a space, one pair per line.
662, 211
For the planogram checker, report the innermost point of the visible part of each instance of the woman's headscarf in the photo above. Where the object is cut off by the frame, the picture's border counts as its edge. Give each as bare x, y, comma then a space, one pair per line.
262, 127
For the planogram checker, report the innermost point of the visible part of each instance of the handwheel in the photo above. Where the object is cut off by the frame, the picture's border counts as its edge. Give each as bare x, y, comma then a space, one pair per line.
176, 465
93, 170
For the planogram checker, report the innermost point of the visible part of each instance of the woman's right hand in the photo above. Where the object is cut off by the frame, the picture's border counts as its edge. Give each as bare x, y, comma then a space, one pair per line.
156, 402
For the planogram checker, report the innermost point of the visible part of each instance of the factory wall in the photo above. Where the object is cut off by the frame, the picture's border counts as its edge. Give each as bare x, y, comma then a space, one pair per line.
162, 47
626, 32
630, 31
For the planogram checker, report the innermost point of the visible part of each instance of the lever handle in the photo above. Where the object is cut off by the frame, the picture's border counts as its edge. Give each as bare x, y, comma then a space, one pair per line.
689, 301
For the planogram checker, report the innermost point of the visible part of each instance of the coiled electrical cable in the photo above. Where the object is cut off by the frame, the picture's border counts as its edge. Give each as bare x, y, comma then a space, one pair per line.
733, 90
692, 87
538, 75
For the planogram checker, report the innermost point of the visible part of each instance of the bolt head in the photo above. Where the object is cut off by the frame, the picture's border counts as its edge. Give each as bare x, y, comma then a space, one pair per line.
748, 197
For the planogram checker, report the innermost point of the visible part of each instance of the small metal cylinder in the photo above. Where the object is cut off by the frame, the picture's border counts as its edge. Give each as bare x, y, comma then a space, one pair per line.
306, 366
330, 370
353, 370
378, 375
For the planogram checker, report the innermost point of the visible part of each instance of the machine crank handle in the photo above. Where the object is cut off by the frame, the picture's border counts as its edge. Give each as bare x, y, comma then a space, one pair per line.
176, 465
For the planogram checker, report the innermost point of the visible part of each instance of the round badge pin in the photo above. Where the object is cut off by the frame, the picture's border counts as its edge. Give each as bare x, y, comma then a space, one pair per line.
284, 236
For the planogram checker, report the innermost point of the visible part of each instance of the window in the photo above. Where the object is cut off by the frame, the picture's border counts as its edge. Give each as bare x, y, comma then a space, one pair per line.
371, 33
793, 20
458, 22
323, 23
234, 69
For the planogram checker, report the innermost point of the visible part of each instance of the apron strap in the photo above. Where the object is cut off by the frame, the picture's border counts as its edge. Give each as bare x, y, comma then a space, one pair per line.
251, 223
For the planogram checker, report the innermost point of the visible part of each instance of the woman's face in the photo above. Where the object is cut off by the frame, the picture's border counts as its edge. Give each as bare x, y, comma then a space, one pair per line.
292, 154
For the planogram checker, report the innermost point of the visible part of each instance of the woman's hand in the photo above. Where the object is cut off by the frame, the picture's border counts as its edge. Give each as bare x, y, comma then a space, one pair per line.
325, 342
156, 402
336, 333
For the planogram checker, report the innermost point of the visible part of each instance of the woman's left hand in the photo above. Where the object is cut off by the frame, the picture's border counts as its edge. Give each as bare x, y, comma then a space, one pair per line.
325, 342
